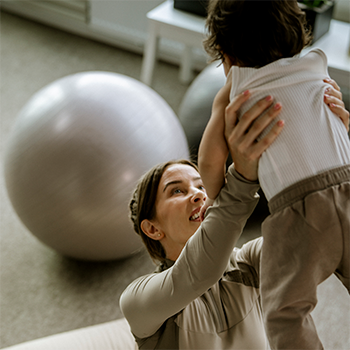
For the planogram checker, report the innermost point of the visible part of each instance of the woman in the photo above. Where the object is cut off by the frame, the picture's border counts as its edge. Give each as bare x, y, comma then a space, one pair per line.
205, 292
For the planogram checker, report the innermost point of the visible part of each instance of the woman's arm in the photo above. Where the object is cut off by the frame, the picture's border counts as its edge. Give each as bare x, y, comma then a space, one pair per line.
250, 254
152, 299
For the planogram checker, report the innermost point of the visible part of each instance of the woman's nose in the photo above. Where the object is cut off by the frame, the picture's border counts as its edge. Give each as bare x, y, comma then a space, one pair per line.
198, 195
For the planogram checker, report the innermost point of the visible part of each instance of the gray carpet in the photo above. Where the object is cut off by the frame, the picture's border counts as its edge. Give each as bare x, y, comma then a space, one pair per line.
41, 292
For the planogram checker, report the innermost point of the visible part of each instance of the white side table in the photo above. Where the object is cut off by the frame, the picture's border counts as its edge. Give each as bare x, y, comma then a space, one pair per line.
167, 22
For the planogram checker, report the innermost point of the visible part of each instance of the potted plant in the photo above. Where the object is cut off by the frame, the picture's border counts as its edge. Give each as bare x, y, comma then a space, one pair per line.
315, 3
318, 15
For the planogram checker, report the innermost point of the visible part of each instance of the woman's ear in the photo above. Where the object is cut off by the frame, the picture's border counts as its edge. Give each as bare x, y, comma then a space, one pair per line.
151, 230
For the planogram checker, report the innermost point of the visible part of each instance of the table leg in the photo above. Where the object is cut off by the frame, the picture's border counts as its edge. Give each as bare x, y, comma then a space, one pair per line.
150, 53
186, 73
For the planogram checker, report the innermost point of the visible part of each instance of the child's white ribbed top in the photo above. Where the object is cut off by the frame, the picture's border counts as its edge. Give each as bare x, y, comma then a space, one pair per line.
313, 139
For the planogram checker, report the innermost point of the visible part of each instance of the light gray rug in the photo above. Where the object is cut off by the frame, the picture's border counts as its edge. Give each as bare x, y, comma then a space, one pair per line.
41, 292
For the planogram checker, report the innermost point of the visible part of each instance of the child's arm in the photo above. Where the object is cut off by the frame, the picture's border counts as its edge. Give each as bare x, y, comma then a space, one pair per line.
213, 150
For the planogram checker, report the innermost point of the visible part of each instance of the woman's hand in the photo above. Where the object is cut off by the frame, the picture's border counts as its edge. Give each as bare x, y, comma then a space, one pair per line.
333, 98
241, 135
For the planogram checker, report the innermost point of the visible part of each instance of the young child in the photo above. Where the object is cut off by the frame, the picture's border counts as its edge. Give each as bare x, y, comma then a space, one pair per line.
305, 173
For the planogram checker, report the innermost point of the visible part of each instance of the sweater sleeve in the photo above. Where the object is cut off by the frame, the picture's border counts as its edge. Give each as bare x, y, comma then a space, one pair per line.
150, 300
250, 254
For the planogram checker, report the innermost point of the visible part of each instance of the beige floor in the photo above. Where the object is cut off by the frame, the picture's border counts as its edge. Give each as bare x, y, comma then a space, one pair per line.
41, 292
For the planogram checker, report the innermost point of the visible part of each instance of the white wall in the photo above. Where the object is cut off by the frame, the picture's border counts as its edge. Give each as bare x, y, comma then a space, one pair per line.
125, 17
342, 10
122, 23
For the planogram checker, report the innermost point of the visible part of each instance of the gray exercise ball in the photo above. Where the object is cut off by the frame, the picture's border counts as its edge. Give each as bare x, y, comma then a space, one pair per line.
75, 154
195, 108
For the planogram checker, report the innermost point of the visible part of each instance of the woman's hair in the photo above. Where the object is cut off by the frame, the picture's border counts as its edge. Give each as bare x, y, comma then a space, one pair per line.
254, 33
142, 205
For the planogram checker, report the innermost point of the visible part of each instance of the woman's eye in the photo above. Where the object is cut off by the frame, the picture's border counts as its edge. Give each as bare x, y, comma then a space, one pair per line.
201, 187
177, 191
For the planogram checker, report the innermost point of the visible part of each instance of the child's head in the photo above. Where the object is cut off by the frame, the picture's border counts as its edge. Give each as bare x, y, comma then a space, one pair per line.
253, 33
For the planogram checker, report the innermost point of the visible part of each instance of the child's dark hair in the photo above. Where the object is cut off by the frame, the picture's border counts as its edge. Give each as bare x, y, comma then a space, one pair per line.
253, 33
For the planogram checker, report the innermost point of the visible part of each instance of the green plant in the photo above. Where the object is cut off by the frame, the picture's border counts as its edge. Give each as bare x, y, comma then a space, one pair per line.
314, 3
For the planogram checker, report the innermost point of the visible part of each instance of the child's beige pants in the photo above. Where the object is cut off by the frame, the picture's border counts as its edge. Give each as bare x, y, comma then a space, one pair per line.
306, 239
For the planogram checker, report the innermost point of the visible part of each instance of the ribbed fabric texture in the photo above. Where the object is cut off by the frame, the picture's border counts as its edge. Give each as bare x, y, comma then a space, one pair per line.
313, 139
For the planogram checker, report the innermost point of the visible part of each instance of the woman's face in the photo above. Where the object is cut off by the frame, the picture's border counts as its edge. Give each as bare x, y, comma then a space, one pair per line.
180, 197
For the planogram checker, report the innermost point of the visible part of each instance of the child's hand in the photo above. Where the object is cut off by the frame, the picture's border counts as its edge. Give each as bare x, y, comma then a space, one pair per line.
209, 202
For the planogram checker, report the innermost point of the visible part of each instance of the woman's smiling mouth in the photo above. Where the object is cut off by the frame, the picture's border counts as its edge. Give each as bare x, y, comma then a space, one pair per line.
195, 215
